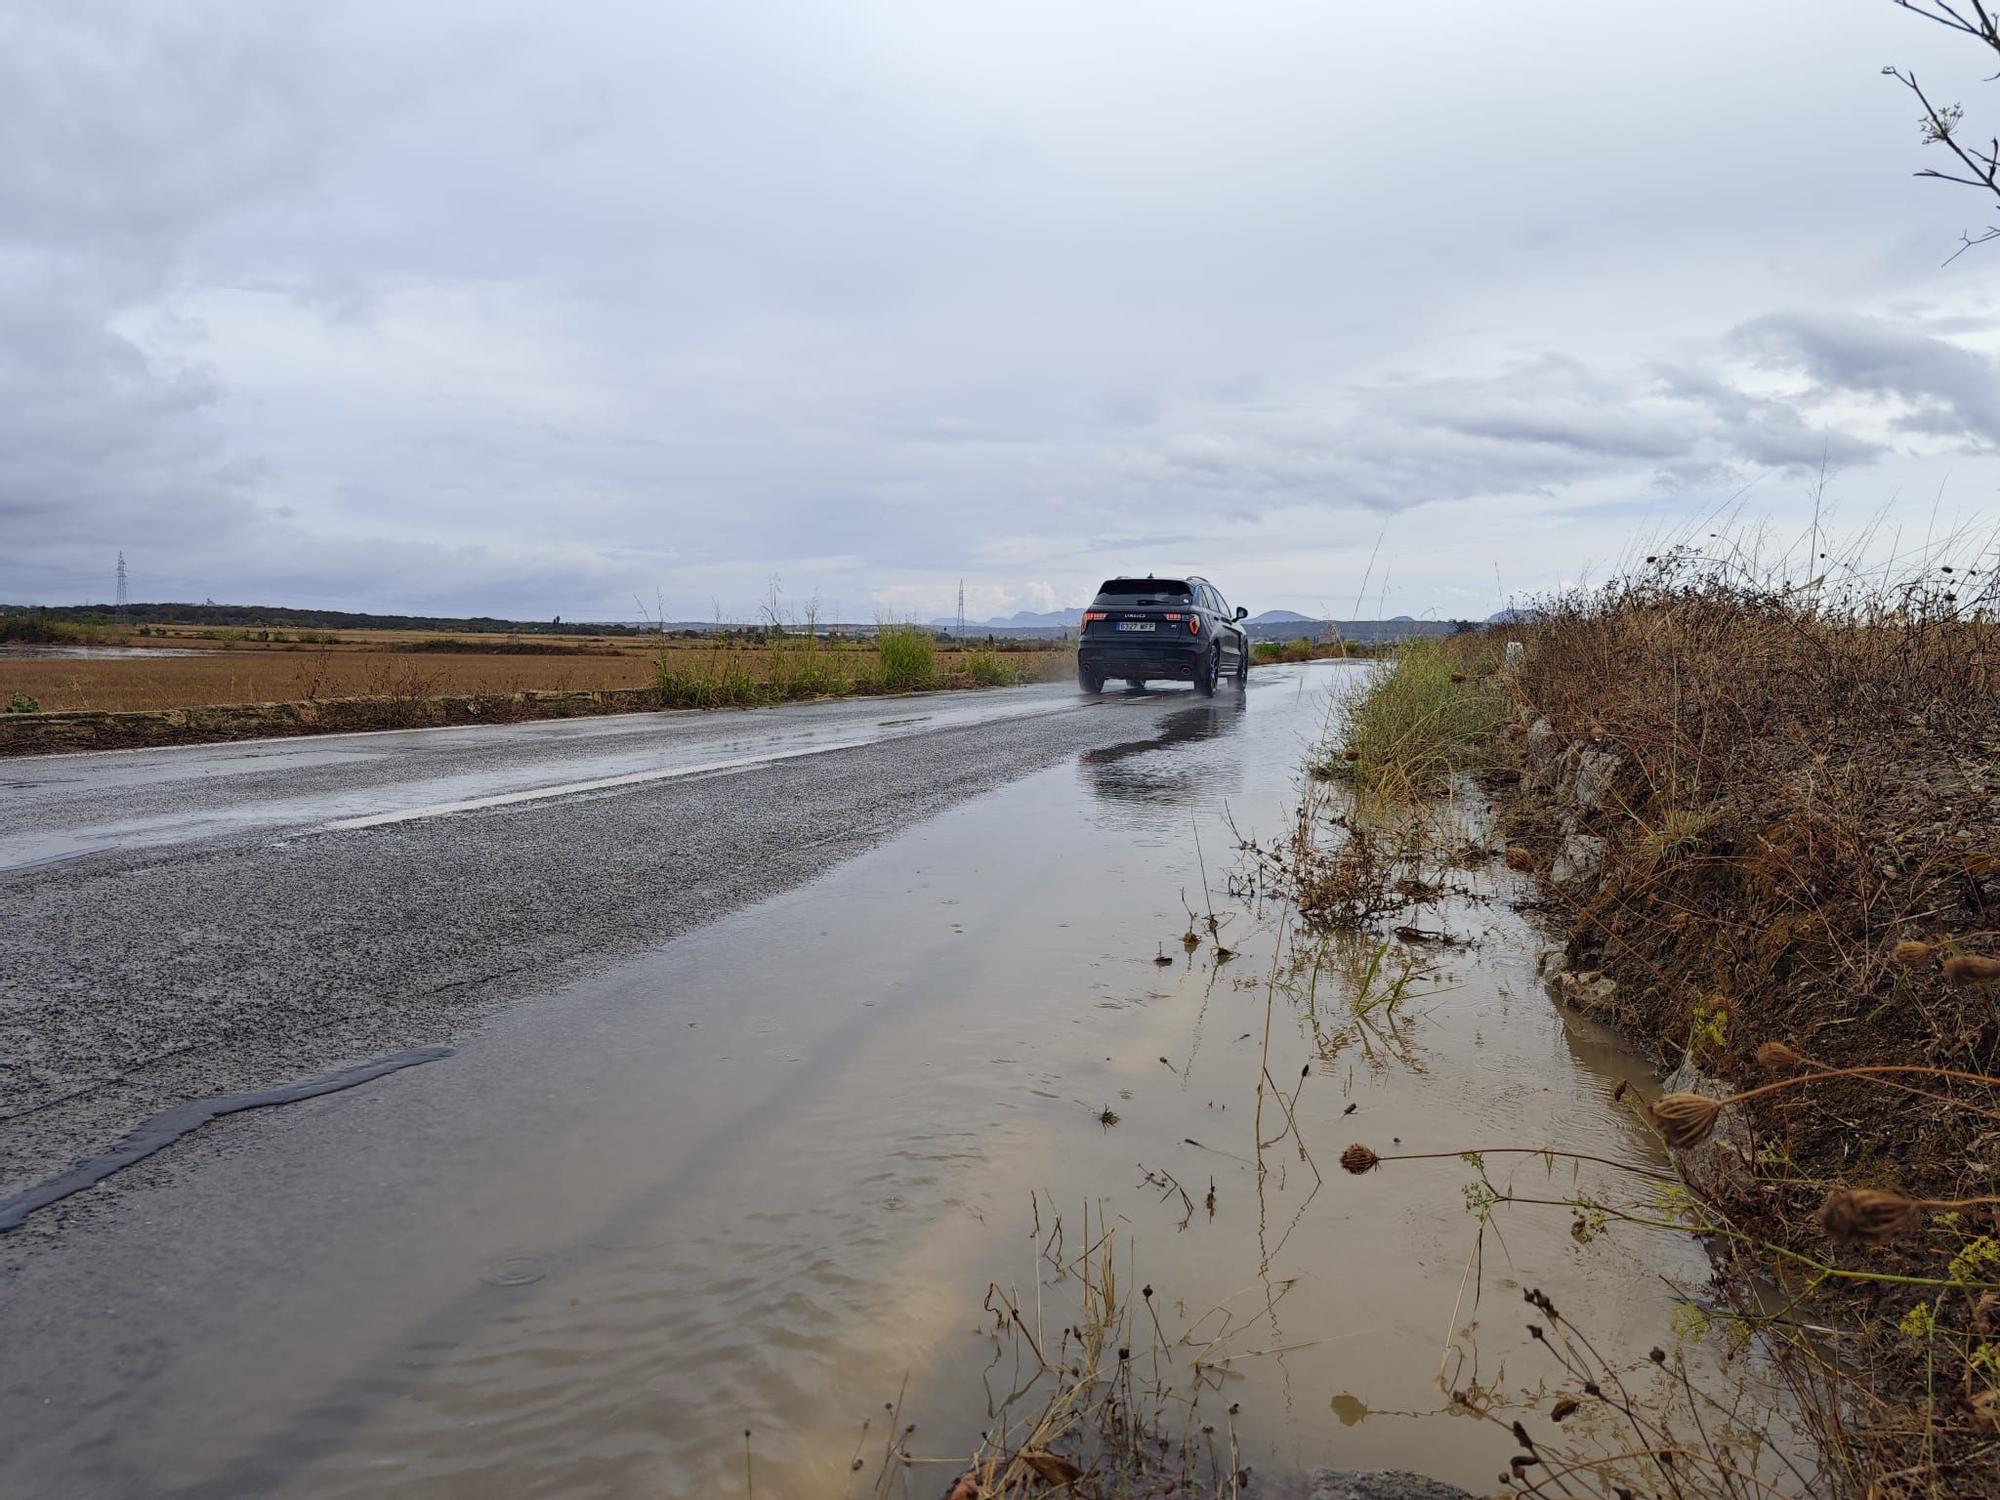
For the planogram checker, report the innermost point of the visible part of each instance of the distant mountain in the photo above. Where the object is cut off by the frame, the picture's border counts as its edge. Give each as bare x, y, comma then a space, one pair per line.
1282, 625
1026, 619
1511, 617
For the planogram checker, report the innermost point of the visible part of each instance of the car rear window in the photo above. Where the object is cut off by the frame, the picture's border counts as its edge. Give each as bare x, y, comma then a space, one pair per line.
1130, 590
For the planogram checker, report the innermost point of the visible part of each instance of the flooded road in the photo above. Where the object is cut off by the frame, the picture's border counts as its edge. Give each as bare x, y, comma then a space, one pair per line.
761, 1177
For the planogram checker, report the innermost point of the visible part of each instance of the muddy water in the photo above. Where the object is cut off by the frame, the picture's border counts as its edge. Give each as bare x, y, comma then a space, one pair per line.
762, 1178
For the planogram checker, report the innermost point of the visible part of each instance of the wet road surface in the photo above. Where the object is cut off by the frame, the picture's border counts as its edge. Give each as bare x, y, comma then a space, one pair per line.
759, 1176
186, 922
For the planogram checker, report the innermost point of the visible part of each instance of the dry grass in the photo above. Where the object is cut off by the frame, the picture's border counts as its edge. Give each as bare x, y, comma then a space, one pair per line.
369, 664
1801, 833
1108, 1405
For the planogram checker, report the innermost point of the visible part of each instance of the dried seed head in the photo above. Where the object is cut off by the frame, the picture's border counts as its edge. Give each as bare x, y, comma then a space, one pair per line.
1984, 1417
1516, 731
1458, 677
1986, 1311
1351, 755
1686, 1120
1867, 1215
1776, 1057
1357, 1158
1972, 968
1911, 954
1520, 859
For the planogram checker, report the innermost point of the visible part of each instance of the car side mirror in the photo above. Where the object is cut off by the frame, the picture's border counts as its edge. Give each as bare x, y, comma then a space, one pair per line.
1242, 613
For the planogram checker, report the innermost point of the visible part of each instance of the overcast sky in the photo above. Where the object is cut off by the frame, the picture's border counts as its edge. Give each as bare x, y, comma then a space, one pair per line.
527, 309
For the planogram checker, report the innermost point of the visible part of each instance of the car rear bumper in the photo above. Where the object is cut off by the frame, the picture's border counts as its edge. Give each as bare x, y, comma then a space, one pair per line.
1167, 657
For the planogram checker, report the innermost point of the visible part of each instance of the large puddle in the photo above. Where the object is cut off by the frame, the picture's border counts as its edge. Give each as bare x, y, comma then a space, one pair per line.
761, 1180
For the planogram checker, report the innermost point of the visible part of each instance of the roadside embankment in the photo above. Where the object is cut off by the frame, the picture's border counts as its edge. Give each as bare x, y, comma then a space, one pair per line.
1767, 827
46, 733
49, 733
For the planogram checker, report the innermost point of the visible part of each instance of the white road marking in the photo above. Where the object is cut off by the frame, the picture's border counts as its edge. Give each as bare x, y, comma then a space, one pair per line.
574, 788
665, 773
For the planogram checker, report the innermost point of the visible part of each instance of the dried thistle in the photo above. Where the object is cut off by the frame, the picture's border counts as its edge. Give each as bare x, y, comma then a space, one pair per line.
1776, 1057
1866, 1215
1357, 1158
1911, 954
1984, 1417
1972, 968
1520, 859
1686, 1120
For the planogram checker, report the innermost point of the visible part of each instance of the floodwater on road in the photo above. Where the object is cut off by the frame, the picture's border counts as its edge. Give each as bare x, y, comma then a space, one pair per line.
762, 1178
89, 653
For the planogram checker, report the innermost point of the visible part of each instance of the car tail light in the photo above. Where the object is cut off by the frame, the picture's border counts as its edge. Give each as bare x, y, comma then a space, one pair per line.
1092, 614
1194, 624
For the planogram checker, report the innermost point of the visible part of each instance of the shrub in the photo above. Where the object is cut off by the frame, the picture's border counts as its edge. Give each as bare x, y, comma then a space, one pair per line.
987, 669
21, 703
908, 655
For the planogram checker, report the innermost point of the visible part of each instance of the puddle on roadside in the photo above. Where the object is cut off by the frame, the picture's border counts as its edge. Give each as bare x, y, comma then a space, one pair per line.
762, 1179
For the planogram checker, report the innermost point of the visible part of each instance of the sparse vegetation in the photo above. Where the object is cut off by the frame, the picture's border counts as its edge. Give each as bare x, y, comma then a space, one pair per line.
1110, 1406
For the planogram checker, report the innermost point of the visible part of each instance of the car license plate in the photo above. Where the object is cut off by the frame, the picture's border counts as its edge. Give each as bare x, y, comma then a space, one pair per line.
1135, 624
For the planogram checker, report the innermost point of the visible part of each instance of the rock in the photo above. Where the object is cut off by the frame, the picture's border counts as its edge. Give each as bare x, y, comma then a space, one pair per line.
1515, 658
1580, 858
1591, 780
1544, 749
1380, 1484
1591, 992
1551, 964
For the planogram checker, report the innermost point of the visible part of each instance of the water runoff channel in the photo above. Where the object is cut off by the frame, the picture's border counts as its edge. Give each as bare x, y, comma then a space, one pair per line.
761, 1179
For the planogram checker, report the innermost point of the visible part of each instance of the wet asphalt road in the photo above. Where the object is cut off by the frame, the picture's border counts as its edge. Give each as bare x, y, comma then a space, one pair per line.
189, 922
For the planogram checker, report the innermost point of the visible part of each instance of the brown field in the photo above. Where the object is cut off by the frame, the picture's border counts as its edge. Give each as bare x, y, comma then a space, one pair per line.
367, 664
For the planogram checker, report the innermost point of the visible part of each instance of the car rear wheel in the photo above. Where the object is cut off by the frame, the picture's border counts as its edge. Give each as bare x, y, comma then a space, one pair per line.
1243, 665
1207, 671
1089, 681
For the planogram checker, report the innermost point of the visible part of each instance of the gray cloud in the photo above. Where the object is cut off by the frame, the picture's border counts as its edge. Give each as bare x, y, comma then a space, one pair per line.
1844, 352
496, 307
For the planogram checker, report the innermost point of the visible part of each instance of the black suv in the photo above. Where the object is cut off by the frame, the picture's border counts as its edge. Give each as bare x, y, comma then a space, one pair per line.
1146, 628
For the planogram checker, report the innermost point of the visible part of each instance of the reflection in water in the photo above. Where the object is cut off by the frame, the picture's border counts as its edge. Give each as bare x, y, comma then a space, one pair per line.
1136, 774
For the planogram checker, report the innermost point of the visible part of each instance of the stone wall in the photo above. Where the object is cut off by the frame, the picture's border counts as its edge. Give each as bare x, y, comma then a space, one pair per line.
51, 733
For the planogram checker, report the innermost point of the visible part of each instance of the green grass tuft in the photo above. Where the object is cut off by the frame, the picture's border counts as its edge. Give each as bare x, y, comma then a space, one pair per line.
1422, 718
908, 657
986, 669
